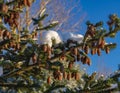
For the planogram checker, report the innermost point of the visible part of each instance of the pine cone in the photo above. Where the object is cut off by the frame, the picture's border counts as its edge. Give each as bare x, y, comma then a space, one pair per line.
11, 15
107, 50
75, 51
98, 51
28, 3
49, 80
60, 77
86, 49
25, 2
17, 46
69, 76
77, 76
44, 48
70, 65
64, 75
93, 51
34, 58
4, 8
73, 75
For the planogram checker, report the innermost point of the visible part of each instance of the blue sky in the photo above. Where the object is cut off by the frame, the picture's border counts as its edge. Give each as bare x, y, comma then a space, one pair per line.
98, 10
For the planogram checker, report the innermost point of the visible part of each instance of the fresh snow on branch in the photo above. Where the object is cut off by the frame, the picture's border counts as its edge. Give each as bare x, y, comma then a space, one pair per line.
48, 37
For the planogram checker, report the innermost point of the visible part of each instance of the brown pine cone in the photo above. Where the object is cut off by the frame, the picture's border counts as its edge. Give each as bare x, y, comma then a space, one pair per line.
64, 75
93, 51
28, 3
86, 49
45, 48
69, 76
34, 58
4, 8
98, 51
17, 46
25, 2
107, 50
77, 76
11, 15
49, 80
75, 51
60, 77
70, 65
73, 75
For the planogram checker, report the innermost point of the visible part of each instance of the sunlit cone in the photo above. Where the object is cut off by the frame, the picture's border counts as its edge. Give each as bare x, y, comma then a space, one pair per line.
86, 59
69, 76
6, 46
64, 75
98, 51
45, 48
28, 3
48, 48
1, 33
34, 35
107, 50
25, 2
16, 23
49, 80
60, 77
88, 62
4, 8
11, 15
17, 46
62, 57
49, 54
93, 51
9, 36
70, 65
75, 51
101, 43
77, 76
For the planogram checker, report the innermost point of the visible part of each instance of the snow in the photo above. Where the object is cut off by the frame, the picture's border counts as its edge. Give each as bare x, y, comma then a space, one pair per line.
72, 36
47, 37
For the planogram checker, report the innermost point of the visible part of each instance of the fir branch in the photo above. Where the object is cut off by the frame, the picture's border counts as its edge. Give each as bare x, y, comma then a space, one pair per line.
54, 88
13, 85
